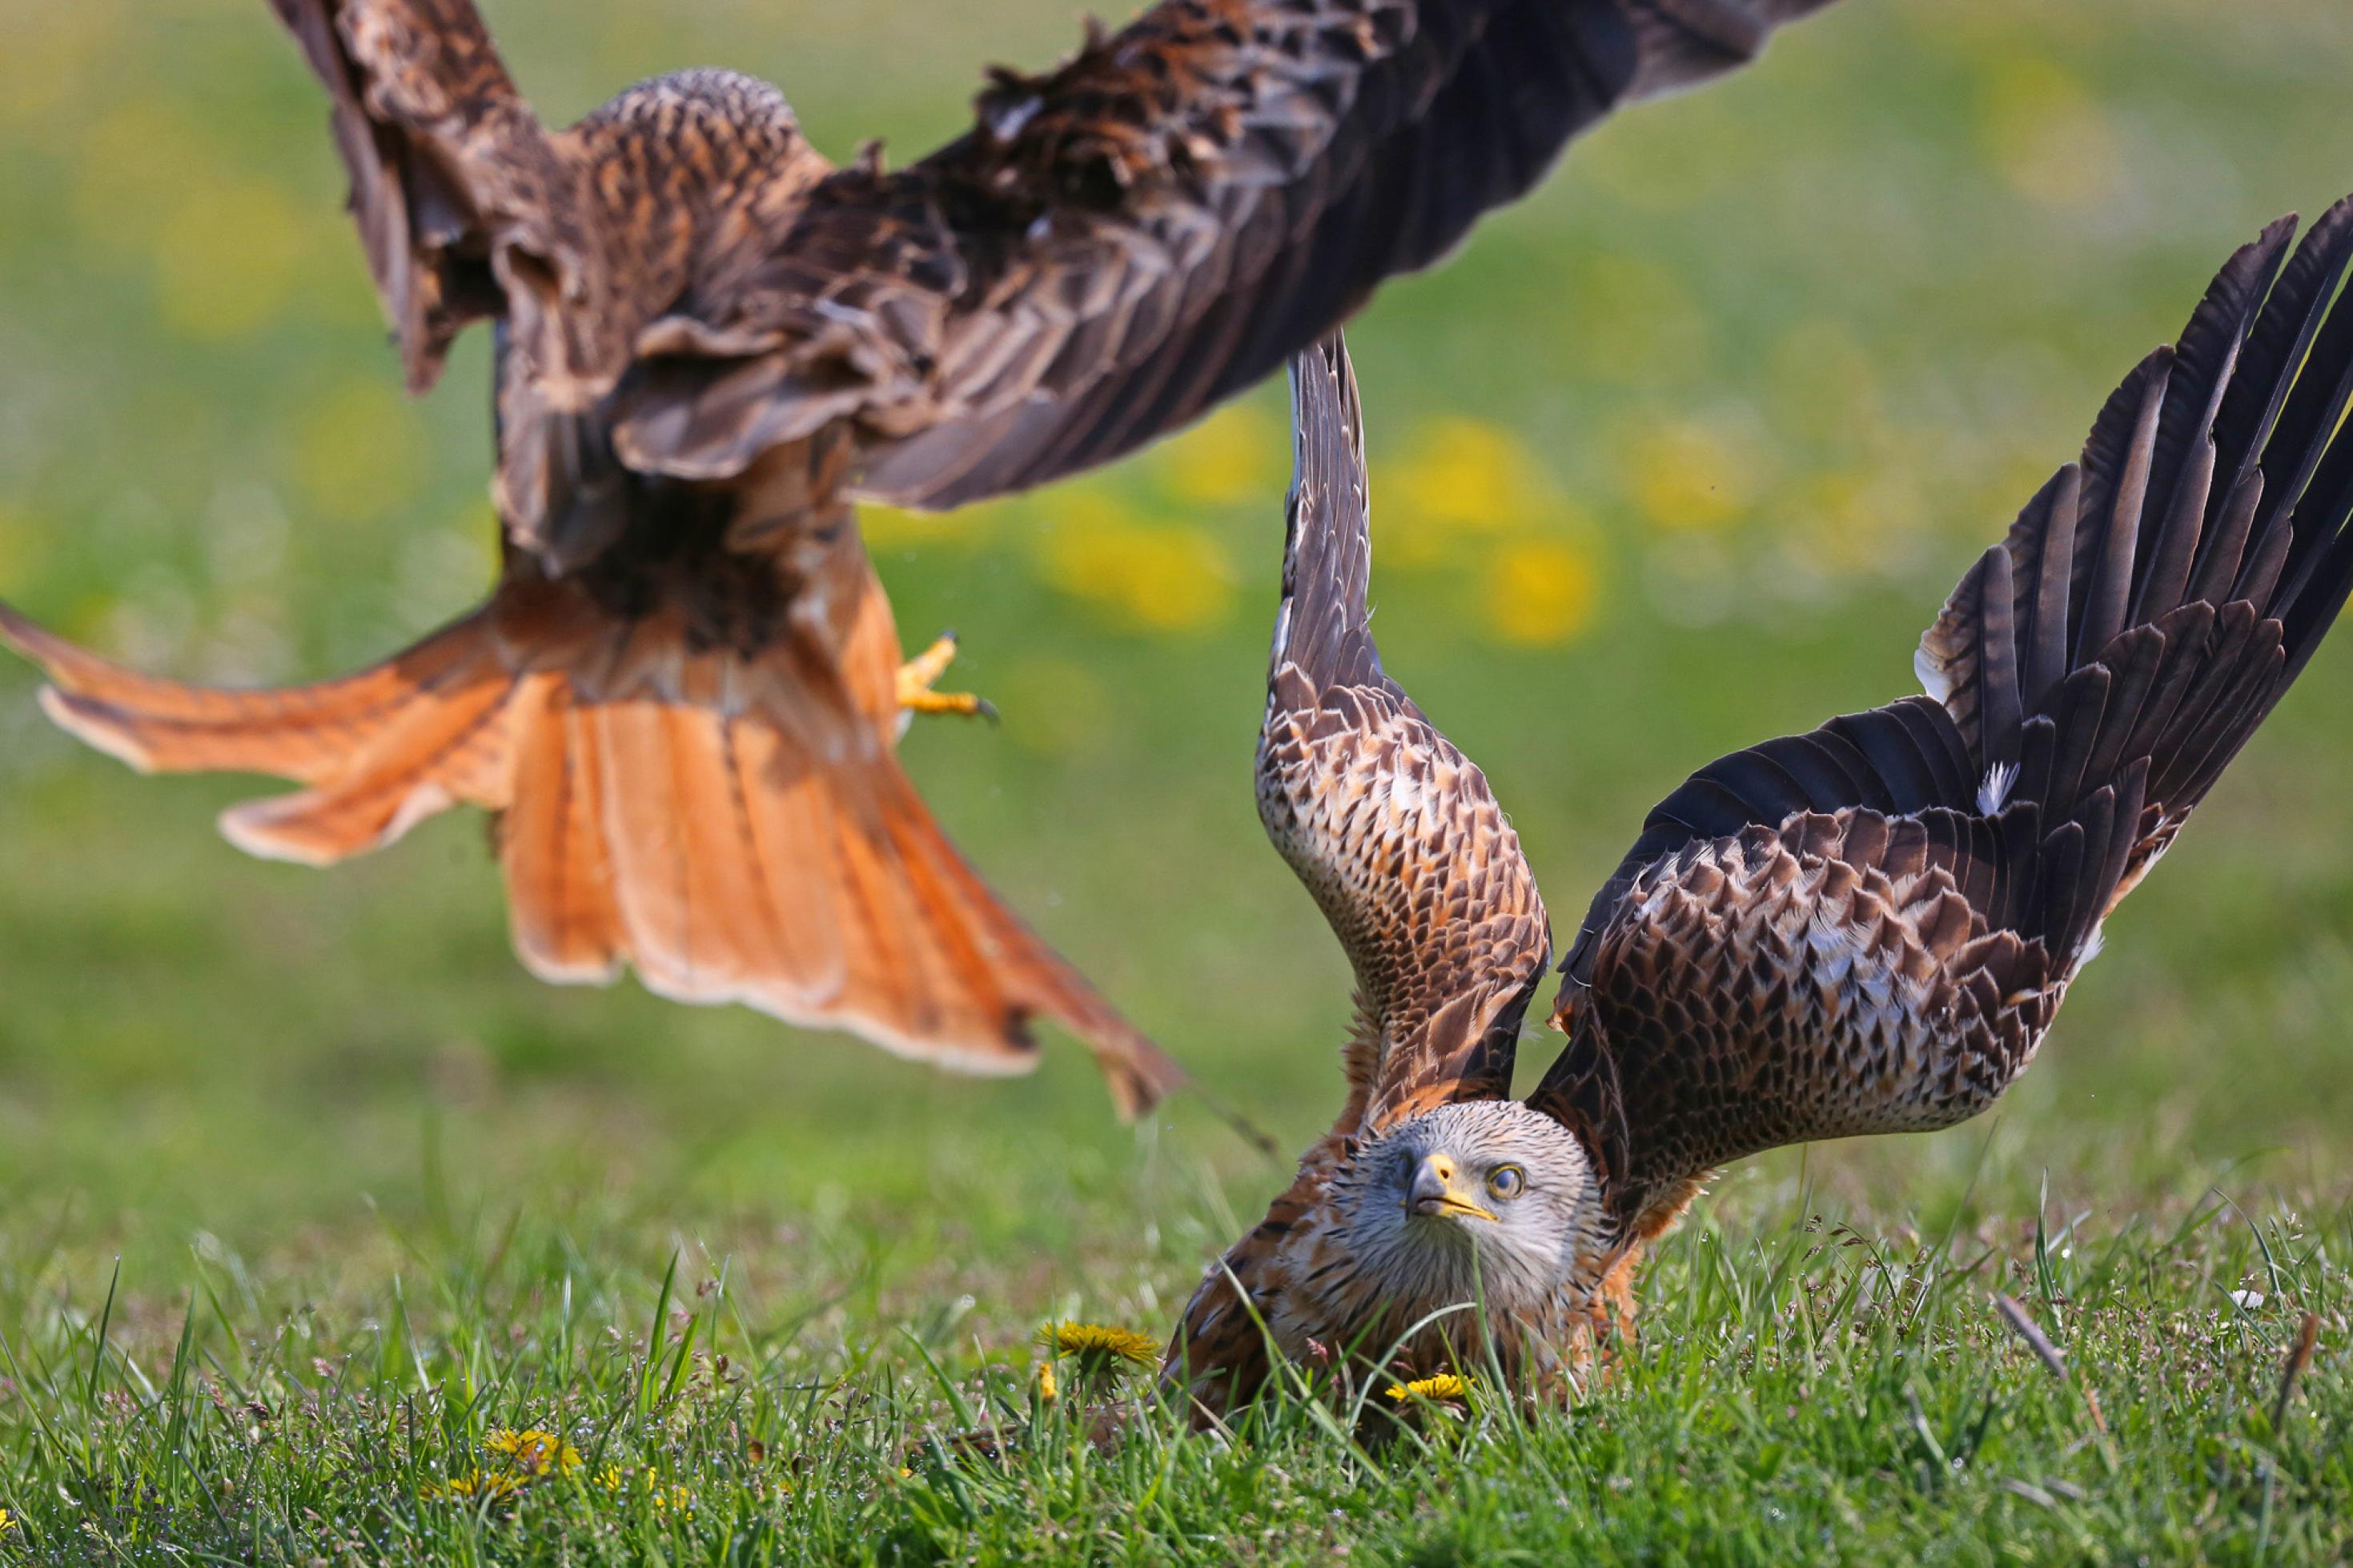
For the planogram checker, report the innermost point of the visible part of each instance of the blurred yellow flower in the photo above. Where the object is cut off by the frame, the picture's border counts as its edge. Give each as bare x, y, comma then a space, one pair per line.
1685, 474
7, 1521
611, 1477
1461, 476
135, 162
1536, 592
2045, 132
1049, 1390
524, 1457
225, 257
535, 1452
53, 52
1227, 458
1168, 576
357, 451
1445, 1385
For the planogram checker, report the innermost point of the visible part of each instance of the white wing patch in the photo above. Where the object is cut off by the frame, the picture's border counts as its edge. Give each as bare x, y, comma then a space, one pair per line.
1931, 671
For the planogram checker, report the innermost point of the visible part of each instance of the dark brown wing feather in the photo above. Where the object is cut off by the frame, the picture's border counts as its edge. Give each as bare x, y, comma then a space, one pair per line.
1868, 927
1114, 248
1391, 828
1117, 245
452, 178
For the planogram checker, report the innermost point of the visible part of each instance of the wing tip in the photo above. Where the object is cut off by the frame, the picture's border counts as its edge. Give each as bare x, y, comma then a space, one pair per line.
96, 725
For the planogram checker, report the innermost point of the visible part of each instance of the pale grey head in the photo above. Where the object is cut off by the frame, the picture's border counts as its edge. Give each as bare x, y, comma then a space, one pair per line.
1485, 1200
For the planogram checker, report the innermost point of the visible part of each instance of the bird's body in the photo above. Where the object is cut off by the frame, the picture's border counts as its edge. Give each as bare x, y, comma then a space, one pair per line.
684, 695
1865, 929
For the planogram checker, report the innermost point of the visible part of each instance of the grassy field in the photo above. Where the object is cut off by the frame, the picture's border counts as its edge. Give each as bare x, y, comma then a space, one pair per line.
307, 1192
505, 1387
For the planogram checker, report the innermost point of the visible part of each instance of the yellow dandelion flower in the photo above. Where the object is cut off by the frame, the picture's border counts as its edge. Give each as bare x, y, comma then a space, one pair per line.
1466, 473
1169, 577
1445, 1385
535, 1451
7, 1521
1459, 476
1100, 1355
1099, 1342
1536, 592
611, 1477
493, 1484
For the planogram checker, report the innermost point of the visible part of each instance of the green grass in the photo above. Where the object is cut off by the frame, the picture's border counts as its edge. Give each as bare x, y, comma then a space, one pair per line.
1807, 1388
1767, 367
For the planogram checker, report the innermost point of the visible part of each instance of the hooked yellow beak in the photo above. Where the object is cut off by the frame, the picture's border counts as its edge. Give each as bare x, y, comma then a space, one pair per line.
1437, 1190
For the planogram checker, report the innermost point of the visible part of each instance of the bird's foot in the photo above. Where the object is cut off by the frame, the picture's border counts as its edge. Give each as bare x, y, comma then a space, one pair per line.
919, 674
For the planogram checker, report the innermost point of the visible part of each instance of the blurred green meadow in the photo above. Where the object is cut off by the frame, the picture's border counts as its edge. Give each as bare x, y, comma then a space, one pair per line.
1682, 453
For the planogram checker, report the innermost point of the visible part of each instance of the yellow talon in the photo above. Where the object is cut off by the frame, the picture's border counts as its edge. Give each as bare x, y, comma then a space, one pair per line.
918, 674
963, 702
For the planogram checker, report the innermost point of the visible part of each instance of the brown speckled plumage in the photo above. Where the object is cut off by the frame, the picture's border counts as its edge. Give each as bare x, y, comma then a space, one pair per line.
1864, 929
1393, 830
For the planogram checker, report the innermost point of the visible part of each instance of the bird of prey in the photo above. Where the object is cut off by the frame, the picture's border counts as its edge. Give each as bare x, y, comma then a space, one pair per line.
1866, 928
684, 695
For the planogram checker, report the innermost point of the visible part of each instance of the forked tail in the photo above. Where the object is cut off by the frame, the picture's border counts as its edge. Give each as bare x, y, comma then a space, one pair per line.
732, 828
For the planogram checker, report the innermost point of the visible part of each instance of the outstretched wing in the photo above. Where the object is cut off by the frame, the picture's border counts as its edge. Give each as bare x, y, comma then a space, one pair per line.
1868, 927
458, 193
1119, 244
1392, 830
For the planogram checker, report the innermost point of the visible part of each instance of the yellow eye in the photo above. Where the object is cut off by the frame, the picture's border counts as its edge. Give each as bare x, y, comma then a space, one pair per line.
1506, 1180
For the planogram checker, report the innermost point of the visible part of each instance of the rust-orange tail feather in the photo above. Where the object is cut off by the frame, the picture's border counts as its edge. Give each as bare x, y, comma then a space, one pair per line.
712, 821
